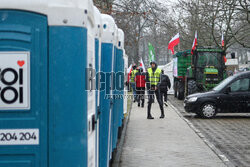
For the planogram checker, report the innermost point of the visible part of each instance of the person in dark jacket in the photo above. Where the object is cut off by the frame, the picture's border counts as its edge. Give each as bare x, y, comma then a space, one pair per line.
165, 85
140, 80
153, 81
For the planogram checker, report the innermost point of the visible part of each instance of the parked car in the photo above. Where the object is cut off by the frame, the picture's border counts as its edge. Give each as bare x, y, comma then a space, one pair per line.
231, 96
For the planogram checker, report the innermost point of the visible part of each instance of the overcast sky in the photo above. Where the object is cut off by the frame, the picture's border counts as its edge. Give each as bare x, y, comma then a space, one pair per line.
167, 2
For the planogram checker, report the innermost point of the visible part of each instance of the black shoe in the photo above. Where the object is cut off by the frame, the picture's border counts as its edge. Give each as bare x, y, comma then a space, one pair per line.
150, 117
139, 104
162, 116
142, 105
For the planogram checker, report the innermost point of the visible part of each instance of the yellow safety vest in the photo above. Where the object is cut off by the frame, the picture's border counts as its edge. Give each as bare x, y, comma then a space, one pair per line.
154, 77
132, 79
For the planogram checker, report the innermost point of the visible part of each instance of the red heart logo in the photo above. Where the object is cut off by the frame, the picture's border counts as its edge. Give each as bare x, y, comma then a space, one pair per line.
21, 63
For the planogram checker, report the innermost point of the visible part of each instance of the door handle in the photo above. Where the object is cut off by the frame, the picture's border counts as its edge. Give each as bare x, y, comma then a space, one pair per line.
93, 120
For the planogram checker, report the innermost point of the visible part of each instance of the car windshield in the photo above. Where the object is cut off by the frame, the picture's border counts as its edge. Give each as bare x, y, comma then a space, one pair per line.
223, 84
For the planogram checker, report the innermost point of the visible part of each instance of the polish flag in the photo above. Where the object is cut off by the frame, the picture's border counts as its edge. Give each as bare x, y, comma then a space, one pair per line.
194, 43
142, 65
129, 69
222, 40
174, 41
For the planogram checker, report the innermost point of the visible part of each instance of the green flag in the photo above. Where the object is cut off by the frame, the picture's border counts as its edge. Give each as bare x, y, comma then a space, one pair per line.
151, 51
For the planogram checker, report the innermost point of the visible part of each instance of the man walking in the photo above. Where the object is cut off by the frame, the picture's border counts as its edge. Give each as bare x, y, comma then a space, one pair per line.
165, 85
153, 83
132, 81
140, 79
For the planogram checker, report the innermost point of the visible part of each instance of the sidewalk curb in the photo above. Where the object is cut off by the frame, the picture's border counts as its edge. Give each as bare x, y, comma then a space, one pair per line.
221, 156
117, 157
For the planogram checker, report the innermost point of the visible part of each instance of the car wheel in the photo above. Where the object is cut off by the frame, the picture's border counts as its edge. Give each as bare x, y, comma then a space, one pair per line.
208, 110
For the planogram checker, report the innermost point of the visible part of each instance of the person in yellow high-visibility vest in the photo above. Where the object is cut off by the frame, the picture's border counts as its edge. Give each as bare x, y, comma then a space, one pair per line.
153, 82
132, 81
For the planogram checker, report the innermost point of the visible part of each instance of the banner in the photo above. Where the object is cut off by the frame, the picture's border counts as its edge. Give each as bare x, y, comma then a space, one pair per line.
151, 51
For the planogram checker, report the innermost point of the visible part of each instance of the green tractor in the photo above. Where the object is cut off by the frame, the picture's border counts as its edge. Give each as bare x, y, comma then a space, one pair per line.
199, 72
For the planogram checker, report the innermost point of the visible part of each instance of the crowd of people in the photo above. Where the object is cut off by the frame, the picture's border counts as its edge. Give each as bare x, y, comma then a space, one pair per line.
155, 82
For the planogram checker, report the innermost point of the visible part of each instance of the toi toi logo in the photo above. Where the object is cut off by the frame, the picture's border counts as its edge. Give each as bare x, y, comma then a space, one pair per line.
8, 78
14, 80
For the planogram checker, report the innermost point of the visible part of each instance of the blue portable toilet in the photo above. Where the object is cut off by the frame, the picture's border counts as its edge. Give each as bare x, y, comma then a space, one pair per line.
119, 84
107, 55
114, 93
44, 103
117, 90
125, 99
120, 55
91, 91
98, 42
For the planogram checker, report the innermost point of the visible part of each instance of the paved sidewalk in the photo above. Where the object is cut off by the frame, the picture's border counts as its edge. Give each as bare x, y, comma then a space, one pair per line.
164, 143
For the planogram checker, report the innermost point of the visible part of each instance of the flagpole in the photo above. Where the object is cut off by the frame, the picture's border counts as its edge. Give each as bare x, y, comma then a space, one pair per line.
179, 47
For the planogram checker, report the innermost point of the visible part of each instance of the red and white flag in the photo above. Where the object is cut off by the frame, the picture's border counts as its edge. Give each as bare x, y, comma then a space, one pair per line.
129, 70
194, 43
222, 40
174, 41
142, 65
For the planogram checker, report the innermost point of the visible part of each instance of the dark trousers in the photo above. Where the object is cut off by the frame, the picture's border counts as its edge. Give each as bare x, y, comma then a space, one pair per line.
159, 98
133, 90
140, 92
165, 94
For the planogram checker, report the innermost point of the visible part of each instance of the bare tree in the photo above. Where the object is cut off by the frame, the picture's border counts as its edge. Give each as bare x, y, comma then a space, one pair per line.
133, 18
146, 21
211, 18
142, 21
104, 5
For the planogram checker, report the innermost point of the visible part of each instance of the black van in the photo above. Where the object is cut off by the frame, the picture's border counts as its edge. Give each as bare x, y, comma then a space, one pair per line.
231, 96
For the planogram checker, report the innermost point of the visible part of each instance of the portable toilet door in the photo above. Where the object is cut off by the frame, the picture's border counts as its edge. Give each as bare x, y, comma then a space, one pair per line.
91, 91
98, 36
43, 57
105, 89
